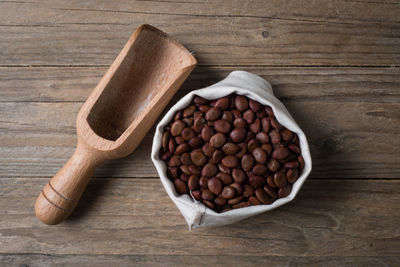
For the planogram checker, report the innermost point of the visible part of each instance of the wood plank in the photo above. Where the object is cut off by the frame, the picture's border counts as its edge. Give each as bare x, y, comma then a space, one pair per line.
192, 260
335, 107
134, 216
221, 33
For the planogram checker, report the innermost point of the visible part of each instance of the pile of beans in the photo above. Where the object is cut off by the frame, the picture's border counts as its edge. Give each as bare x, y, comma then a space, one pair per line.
230, 153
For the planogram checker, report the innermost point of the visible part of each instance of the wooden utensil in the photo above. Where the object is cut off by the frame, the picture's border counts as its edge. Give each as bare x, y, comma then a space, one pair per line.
117, 115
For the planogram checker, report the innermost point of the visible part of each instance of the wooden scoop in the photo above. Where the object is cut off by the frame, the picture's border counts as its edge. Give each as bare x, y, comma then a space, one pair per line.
117, 115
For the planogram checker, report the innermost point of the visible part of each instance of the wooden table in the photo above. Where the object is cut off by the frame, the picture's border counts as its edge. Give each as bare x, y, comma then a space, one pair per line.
335, 65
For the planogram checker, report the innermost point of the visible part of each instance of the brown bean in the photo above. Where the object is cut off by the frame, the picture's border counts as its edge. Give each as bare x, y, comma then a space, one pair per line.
206, 133
262, 137
209, 204
218, 140
280, 153
228, 116
238, 134
266, 125
292, 175
256, 181
177, 127
259, 155
209, 170
224, 169
204, 108
185, 169
275, 137
252, 144
242, 204
267, 148
284, 192
238, 188
228, 192
241, 103
255, 127
261, 114
291, 164
183, 148
184, 177
275, 124
172, 145
222, 126
287, 135
280, 179
200, 100
196, 194
178, 115
165, 155
207, 195
273, 165
198, 158
220, 201
165, 140
300, 159
173, 172
254, 105
185, 159
175, 161
236, 113
187, 112
239, 123
269, 111
248, 190
179, 140
254, 201
262, 196
270, 181
213, 114
180, 186
260, 169
203, 182
196, 170
247, 162
230, 148
222, 103
198, 124
215, 185
230, 161
238, 175
195, 142
217, 156
294, 148
242, 151
208, 149
225, 178
235, 200
270, 191
188, 121
249, 116
188, 134
193, 183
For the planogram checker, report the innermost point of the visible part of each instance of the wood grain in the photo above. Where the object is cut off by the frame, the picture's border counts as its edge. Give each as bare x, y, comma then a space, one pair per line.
44, 260
351, 117
135, 217
221, 33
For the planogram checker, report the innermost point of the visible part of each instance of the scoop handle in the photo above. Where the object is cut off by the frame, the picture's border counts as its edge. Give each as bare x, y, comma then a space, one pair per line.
61, 194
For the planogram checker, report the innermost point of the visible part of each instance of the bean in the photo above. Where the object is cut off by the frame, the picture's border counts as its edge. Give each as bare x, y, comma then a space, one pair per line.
255, 127
217, 156
270, 191
198, 124
180, 186
239, 123
292, 175
238, 188
165, 140
224, 169
247, 162
280, 179
207, 195
222, 103
175, 161
252, 144
280, 153
230, 161
177, 127
225, 178
286, 135
259, 155
228, 116
249, 116
218, 140
209, 170
235, 200
241, 103
284, 192
266, 125
275, 124
256, 181
199, 100
208, 149
171, 145
238, 175
185, 159
198, 158
273, 165
259, 169
262, 137
203, 181
188, 134
195, 142
242, 204
182, 149
230, 148
220, 201
262, 196
228, 192
209, 204
294, 148
275, 137
193, 183
254, 201
196, 194
248, 190
215, 185
222, 126
213, 114
206, 133
254, 105
238, 134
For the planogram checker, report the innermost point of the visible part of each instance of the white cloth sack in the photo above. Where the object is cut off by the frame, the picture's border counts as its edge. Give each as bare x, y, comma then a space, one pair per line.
242, 83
